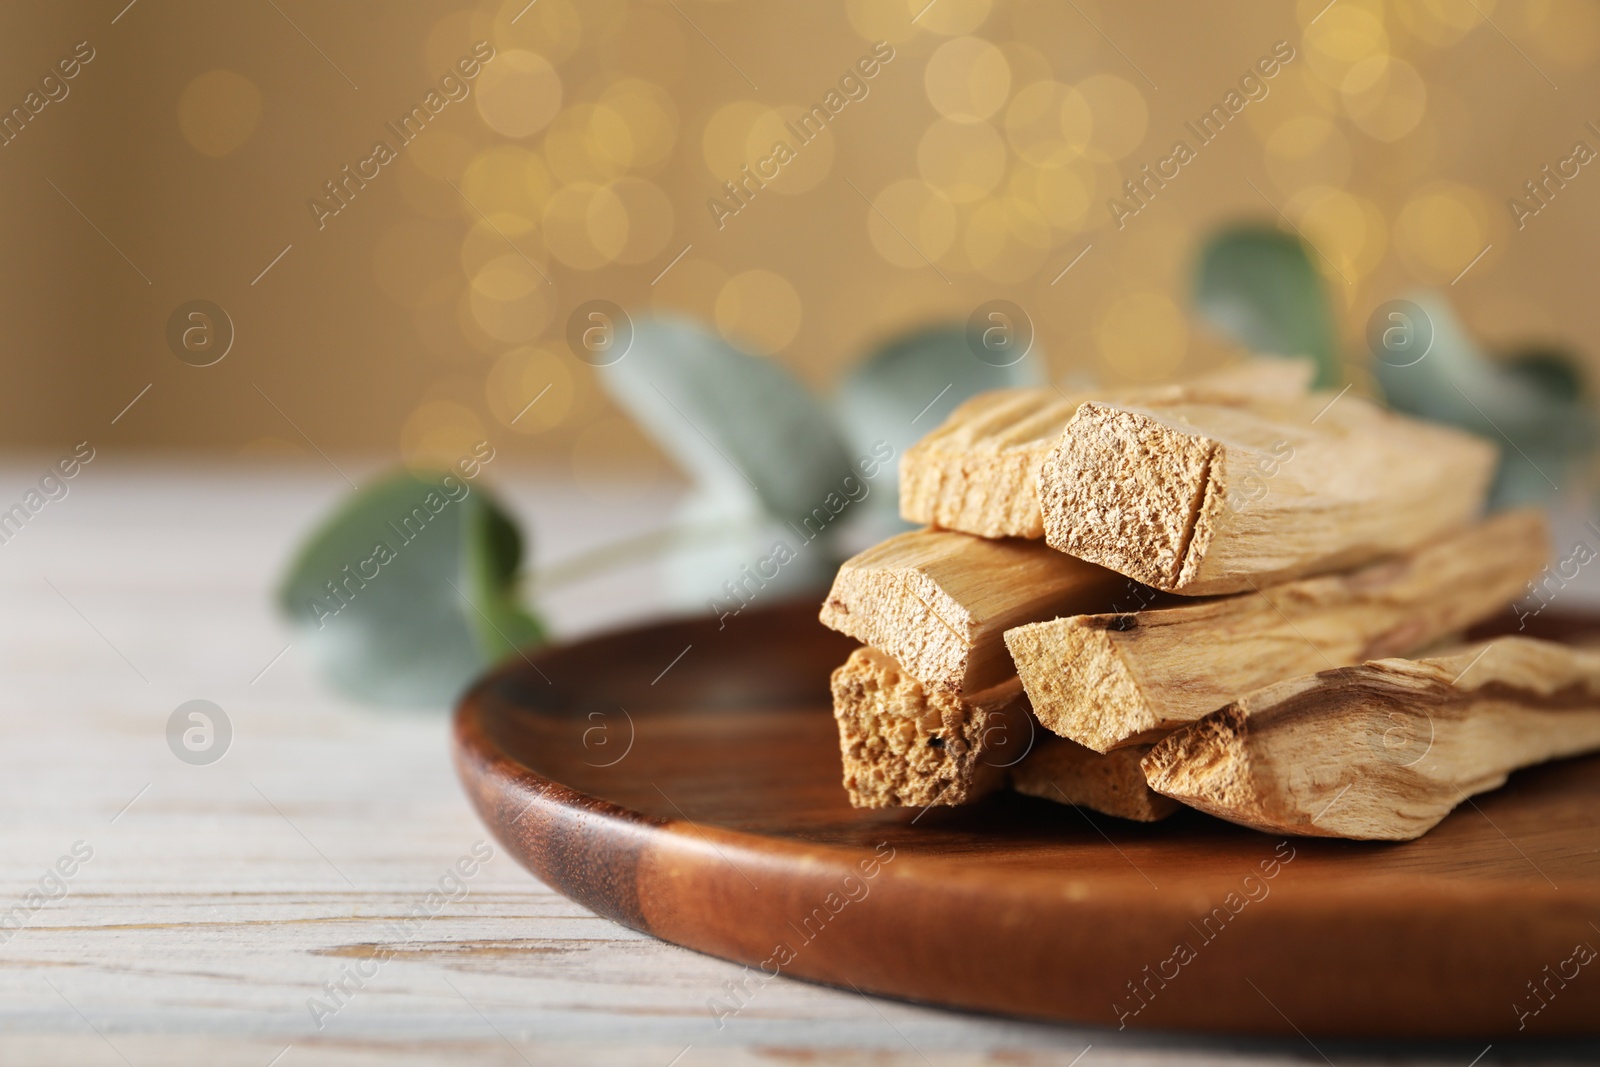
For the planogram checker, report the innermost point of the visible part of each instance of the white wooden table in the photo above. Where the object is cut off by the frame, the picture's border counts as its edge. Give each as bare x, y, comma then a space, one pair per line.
220, 899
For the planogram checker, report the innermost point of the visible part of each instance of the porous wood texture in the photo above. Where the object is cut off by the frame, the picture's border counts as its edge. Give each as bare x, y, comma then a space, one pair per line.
1209, 498
1115, 679
1385, 750
903, 745
724, 829
977, 472
939, 602
1067, 773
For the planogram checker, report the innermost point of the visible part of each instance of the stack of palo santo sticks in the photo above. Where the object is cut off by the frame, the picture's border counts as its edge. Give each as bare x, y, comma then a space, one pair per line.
1200, 593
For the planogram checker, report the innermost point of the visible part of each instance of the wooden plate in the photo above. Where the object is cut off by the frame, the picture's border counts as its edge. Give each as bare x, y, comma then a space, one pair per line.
683, 779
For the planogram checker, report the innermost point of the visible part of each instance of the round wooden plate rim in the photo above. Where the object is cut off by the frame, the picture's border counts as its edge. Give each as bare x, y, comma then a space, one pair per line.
543, 792
691, 883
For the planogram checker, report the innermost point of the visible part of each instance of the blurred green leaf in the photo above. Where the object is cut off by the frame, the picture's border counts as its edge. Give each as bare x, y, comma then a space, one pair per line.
407, 591
735, 423
735, 537
907, 388
763, 453
493, 544
1530, 404
1258, 286
1553, 372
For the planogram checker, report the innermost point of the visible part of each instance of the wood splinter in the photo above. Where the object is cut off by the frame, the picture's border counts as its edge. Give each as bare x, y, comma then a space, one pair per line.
1385, 750
1117, 679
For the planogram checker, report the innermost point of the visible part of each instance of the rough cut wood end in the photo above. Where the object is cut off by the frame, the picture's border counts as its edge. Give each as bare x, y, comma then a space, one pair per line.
906, 746
1079, 685
1126, 489
1207, 766
1068, 773
975, 472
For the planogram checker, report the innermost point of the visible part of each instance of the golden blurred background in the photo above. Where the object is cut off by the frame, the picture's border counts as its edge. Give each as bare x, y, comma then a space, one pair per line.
981, 160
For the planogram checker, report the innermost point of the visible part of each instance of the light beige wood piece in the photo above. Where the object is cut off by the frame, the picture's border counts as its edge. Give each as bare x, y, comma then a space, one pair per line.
1067, 773
904, 745
977, 472
1111, 680
1208, 498
939, 602
1385, 750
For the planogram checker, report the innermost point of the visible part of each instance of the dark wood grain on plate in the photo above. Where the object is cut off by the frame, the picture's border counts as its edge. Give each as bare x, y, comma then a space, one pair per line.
698, 799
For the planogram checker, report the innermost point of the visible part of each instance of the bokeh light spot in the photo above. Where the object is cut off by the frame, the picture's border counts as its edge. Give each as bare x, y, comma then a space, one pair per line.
967, 79
1385, 97
758, 311
529, 389
962, 160
909, 220
1441, 229
1120, 116
585, 226
518, 93
438, 433
510, 301
218, 111
1143, 337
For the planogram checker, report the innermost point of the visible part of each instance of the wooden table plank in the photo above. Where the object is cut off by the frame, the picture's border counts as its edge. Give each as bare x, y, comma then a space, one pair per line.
220, 899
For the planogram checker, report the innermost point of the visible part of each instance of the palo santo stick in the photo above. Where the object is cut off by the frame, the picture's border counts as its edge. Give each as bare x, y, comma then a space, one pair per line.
977, 472
1206, 498
906, 746
939, 602
1110, 680
1385, 750
1067, 773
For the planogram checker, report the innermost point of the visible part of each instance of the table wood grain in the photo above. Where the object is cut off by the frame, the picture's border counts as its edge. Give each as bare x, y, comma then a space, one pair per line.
220, 902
